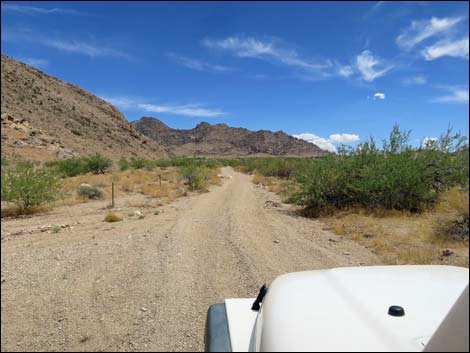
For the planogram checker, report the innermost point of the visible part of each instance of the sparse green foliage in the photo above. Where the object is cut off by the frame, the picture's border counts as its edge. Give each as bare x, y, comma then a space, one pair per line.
123, 164
194, 175
27, 187
68, 167
97, 164
76, 132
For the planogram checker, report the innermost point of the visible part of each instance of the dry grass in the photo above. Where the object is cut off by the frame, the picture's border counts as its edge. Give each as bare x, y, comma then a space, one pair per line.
285, 188
404, 238
142, 181
399, 237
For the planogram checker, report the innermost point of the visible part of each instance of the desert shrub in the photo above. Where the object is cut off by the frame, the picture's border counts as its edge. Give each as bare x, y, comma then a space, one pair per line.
123, 164
194, 175
394, 177
97, 164
138, 163
76, 132
68, 167
27, 187
89, 191
112, 217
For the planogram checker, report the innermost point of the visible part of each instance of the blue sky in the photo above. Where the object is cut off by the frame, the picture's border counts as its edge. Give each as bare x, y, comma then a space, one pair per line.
330, 73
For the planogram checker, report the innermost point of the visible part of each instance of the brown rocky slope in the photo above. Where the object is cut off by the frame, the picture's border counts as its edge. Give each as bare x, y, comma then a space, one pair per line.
221, 140
46, 118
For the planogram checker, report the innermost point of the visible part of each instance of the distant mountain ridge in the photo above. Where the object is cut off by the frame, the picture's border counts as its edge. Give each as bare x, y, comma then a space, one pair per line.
46, 118
221, 140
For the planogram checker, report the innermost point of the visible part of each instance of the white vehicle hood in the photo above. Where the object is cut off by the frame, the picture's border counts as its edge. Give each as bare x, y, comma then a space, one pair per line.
346, 309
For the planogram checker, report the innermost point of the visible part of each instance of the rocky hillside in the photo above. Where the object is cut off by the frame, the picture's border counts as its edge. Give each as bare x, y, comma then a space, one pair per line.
221, 140
46, 118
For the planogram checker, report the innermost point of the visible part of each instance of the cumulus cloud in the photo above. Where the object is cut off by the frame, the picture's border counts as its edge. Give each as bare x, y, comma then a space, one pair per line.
321, 142
458, 49
427, 140
328, 143
379, 95
419, 31
344, 138
370, 66
192, 110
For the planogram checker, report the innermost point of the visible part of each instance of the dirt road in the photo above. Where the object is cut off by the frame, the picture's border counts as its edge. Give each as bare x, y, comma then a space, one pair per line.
146, 284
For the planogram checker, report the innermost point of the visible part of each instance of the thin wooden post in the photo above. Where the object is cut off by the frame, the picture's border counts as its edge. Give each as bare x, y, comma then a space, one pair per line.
160, 178
112, 193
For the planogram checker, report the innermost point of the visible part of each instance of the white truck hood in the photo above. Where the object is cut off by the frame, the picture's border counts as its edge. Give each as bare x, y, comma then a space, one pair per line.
346, 309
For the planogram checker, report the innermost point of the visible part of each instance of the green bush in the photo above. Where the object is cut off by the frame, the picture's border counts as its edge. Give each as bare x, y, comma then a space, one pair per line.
394, 177
97, 164
138, 163
76, 132
68, 167
194, 175
27, 187
123, 164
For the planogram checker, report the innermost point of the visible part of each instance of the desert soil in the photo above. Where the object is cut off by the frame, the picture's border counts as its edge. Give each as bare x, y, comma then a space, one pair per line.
146, 284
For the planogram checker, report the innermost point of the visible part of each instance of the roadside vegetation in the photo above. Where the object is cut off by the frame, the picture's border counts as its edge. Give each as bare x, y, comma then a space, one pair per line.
27, 188
408, 204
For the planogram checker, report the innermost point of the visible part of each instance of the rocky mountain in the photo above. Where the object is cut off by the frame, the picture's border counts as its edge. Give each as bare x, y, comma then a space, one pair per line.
221, 140
46, 118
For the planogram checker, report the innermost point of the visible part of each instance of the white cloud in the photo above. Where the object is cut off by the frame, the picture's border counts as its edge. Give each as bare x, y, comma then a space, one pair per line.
379, 95
198, 64
83, 48
458, 95
419, 31
414, 80
38, 10
35, 62
269, 49
427, 140
328, 144
367, 63
345, 71
344, 138
187, 110
321, 142
458, 49
193, 110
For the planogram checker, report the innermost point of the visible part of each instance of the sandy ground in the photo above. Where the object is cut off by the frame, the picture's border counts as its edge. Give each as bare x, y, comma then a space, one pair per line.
146, 284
